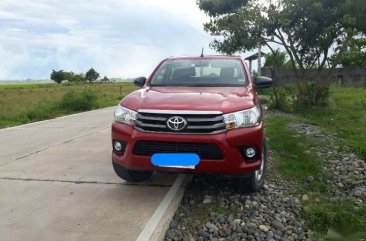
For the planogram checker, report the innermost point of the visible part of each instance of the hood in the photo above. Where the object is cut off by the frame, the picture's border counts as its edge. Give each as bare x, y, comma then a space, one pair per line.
224, 99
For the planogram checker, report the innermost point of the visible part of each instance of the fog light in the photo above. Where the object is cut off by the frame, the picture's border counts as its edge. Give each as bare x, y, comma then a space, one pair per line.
250, 152
117, 146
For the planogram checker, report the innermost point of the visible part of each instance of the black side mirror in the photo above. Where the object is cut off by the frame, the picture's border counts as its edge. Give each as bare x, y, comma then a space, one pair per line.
140, 81
263, 82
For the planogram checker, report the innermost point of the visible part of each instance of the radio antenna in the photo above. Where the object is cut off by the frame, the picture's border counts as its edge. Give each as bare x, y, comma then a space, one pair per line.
202, 53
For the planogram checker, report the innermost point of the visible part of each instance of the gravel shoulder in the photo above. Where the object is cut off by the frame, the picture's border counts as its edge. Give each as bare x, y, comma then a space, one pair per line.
343, 171
213, 208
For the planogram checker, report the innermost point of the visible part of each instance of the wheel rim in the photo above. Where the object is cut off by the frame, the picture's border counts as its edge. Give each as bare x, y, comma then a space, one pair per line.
259, 172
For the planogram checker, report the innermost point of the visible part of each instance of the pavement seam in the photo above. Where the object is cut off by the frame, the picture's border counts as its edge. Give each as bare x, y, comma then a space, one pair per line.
52, 146
82, 182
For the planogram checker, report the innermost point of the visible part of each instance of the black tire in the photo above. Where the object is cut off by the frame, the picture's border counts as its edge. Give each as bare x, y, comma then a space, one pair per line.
131, 175
253, 183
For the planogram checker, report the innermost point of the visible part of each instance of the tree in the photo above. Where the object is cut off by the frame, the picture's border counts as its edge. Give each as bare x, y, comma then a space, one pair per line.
218, 7
355, 56
105, 79
91, 75
78, 78
69, 76
58, 76
276, 59
306, 29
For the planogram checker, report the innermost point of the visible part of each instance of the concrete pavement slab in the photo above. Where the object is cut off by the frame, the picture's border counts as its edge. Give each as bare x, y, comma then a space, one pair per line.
16, 142
84, 159
46, 210
57, 183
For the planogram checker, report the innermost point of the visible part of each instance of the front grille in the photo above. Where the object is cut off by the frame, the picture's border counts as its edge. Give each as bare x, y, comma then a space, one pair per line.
196, 123
204, 150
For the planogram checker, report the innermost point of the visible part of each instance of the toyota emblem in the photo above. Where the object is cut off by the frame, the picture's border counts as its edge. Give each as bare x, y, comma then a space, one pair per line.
176, 123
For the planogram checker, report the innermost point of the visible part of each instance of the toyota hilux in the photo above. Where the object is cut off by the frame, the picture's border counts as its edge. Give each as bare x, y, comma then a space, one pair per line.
192, 115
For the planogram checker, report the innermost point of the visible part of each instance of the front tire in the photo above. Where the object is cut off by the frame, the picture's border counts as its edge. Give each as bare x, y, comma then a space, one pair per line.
131, 175
255, 181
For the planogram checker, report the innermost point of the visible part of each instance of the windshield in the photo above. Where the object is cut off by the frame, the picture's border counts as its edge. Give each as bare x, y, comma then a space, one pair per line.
200, 72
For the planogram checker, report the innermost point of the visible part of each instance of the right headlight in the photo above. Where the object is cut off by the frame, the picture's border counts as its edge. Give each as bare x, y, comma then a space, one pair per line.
124, 115
244, 118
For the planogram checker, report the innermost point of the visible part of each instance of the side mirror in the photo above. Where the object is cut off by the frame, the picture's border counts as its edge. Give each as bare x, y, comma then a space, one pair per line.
263, 82
140, 81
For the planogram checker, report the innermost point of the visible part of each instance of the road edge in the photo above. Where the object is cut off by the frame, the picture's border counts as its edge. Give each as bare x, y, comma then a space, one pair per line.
56, 118
158, 224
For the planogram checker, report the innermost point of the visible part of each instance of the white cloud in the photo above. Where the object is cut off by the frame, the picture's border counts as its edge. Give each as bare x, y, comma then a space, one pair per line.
118, 38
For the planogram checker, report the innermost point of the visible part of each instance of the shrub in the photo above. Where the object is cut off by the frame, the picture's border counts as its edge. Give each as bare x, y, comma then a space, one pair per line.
43, 110
74, 101
282, 99
290, 98
312, 95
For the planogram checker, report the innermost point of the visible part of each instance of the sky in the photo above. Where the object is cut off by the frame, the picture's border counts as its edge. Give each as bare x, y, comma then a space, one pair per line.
119, 38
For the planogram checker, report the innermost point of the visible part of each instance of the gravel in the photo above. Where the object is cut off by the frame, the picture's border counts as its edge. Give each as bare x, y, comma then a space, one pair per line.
214, 209
310, 179
344, 171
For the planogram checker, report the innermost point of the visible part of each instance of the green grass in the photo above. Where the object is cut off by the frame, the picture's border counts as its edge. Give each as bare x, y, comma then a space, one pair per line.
324, 217
25, 85
338, 217
23, 103
290, 148
345, 118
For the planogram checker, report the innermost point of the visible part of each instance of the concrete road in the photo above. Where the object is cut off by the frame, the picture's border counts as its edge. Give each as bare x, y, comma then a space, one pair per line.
57, 183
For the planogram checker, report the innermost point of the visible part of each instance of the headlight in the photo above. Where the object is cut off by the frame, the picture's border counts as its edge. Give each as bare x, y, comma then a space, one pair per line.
245, 118
124, 115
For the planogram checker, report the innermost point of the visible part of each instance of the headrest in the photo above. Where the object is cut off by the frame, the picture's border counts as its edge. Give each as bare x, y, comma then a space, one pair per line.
227, 73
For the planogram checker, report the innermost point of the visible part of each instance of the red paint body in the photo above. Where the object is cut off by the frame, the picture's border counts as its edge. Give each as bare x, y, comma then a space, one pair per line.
223, 99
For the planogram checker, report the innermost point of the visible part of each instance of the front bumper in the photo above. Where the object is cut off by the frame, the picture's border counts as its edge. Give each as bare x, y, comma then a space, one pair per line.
229, 143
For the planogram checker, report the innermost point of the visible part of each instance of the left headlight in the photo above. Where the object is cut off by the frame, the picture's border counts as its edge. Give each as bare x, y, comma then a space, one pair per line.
124, 115
244, 118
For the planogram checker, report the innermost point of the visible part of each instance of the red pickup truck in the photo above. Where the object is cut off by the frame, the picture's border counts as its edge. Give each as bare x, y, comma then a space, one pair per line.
192, 115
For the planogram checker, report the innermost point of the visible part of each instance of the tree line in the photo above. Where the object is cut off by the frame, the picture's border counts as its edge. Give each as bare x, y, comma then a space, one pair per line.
354, 57
90, 76
315, 34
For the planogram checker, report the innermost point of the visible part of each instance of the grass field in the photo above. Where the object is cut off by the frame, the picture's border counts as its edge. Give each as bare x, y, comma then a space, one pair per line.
345, 116
25, 85
291, 149
296, 160
23, 103
345, 119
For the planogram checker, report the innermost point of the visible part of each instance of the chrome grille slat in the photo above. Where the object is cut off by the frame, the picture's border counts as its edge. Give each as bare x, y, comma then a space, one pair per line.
140, 124
153, 118
219, 125
198, 122
216, 119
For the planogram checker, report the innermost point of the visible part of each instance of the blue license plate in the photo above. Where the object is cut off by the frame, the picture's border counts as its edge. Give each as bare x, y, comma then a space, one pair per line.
177, 160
